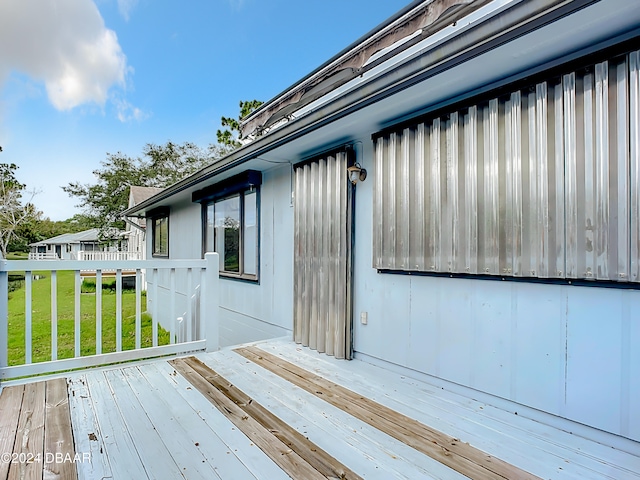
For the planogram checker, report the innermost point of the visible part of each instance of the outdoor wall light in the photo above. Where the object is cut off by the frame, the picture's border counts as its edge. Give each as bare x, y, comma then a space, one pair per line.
356, 173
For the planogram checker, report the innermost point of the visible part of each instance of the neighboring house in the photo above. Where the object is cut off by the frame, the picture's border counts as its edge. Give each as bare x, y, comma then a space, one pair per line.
137, 226
493, 246
68, 245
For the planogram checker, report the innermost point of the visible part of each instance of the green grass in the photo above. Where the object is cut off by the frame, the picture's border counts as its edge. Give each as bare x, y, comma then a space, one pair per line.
17, 256
41, 321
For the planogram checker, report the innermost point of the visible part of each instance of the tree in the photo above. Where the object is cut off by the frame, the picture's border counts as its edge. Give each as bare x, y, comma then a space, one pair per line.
37, 228
160, 166
13, 213
230, 137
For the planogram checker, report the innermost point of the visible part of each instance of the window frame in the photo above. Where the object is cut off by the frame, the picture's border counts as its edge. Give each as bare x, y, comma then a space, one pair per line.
238, 186
156, 216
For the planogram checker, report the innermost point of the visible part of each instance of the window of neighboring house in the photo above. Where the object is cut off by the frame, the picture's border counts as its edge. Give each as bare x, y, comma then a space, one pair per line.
160, 233
68, 248
231, 224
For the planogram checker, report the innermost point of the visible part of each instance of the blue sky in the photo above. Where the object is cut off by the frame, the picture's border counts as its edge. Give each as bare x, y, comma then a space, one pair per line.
80, 78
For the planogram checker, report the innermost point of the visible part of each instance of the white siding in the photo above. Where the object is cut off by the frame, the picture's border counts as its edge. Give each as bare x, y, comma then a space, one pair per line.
249, 311
562, 349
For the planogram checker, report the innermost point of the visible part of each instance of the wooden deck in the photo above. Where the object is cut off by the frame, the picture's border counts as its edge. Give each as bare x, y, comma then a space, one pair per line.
277, 411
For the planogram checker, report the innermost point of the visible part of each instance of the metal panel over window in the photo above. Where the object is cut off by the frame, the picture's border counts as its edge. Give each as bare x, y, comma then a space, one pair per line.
540, 182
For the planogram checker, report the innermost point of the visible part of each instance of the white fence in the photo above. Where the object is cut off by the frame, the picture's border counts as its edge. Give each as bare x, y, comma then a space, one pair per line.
43, 256
200, 286
101, 256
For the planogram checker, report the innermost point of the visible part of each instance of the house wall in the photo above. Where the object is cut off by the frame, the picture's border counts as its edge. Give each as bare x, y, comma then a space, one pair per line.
563, 349
136, 241
249, 311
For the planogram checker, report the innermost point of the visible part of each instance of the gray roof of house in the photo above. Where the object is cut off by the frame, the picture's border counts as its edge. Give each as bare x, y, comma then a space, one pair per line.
91, 235
140, 194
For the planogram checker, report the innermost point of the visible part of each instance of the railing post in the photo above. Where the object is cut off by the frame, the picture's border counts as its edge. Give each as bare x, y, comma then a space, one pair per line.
210, 295
4, 313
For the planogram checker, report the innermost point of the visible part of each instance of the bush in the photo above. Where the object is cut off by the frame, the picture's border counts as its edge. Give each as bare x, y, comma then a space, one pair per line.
89, 286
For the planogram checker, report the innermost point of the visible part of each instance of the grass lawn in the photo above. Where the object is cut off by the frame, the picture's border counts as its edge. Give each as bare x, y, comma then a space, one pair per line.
17, 256
41, 321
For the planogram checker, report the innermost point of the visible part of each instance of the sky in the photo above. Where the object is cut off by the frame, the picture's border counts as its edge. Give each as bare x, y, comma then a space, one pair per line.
83, 78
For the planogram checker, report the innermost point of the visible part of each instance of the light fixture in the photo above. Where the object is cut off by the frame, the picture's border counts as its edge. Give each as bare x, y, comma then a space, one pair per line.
356, 173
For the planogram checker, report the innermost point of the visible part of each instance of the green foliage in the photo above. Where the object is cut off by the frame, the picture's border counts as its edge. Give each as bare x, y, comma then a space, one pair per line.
36, 228
159, 166
230, 136
14, 211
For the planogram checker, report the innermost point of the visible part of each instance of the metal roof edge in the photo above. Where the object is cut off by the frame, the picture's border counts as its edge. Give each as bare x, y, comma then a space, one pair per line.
340, 54
358, 99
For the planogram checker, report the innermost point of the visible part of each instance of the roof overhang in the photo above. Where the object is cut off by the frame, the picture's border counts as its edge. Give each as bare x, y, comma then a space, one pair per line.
503, 40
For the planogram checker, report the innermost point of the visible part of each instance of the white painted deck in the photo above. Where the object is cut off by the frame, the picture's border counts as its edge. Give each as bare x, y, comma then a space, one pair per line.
147, 421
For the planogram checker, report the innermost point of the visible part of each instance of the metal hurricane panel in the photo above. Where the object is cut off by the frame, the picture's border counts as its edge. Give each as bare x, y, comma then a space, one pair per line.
541, 182
321, 255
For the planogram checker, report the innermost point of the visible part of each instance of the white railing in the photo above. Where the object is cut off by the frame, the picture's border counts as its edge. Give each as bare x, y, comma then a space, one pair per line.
43, 256
198, 291
100, 256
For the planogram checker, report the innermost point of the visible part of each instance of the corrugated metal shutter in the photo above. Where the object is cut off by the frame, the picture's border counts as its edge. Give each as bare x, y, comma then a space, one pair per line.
322, 313
542, 182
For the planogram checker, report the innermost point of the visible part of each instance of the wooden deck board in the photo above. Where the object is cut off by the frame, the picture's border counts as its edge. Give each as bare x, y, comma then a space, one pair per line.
58, 435
237, 444
146, 421
542, 448
157, 459
287, 459
365, 449
29, 443
450, 451
521, 441
314, 455
182, 447
119, 445
88, 437
180, 424
10, 405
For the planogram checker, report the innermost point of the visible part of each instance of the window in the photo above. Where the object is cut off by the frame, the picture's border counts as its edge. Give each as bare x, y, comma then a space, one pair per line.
231, 227
537, 182
160, 232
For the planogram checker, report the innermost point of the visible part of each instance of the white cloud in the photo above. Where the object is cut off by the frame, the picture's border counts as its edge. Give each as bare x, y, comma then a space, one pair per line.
125, 7
65, 45
127, 112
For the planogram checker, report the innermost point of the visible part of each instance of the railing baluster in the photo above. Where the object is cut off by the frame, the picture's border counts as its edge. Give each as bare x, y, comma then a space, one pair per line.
77, 297
98, 312
210, 294
172, 308
189, 318
202, 327
118, 310
154, 305
138, 309
54, 315
28, 309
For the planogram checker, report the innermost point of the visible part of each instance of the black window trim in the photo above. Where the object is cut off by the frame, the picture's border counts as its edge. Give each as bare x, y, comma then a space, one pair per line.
246, 182
153, 215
